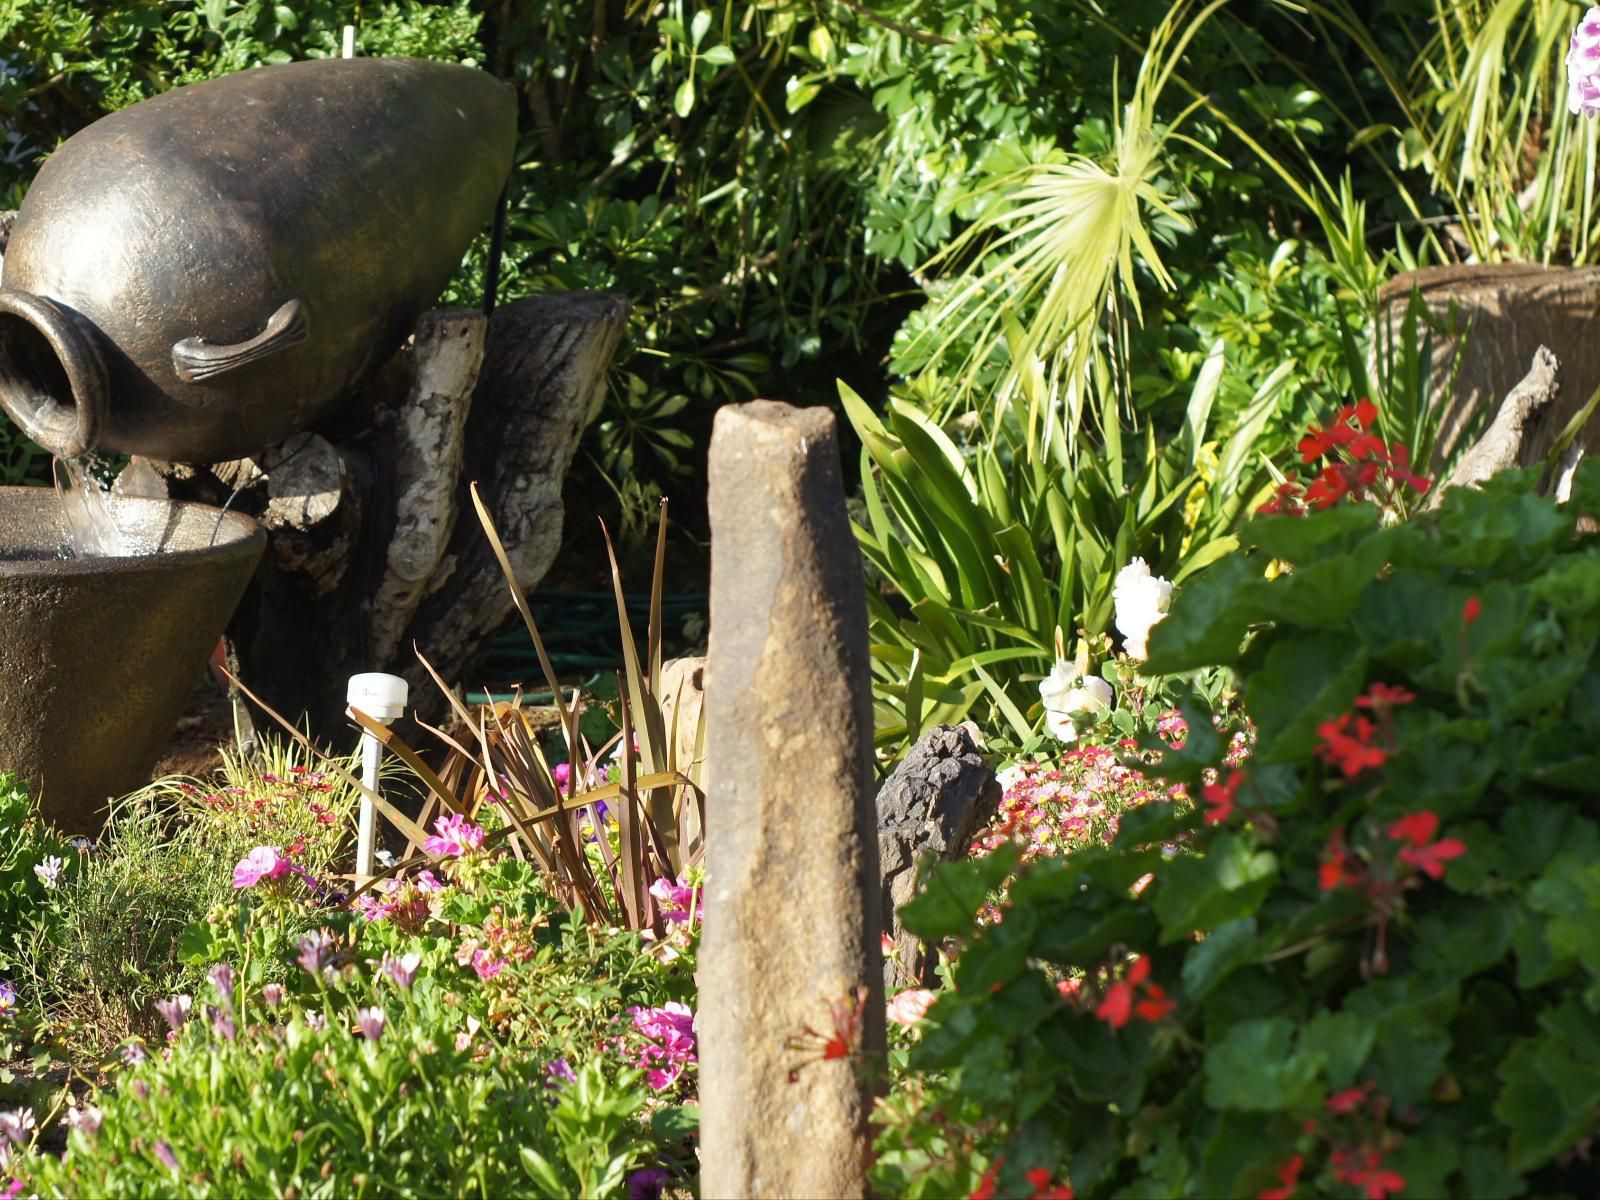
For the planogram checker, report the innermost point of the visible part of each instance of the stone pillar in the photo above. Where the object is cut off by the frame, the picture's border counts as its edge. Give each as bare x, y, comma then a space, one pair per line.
790, 958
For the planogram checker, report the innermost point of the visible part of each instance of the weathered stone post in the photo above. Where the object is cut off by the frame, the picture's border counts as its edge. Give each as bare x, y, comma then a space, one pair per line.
792, 928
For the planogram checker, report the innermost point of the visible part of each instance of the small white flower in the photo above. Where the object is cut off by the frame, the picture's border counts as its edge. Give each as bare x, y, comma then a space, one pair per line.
1065, 694
1583, 66
86, 1119
1141, 601
49, 871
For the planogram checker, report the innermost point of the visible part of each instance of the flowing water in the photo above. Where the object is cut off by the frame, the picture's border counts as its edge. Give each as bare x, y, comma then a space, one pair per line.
92, 527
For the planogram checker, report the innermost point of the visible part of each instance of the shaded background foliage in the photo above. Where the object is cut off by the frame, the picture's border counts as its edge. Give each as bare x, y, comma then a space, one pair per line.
763, 180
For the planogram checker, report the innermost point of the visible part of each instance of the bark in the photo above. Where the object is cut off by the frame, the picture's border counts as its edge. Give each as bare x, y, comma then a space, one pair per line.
373, 544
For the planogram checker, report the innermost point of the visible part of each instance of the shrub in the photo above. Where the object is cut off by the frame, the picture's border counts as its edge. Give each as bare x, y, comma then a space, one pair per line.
104, 944
466, 1045
1372, 966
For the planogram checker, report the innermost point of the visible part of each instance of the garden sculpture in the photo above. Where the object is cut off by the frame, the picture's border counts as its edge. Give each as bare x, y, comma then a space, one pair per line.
200, 275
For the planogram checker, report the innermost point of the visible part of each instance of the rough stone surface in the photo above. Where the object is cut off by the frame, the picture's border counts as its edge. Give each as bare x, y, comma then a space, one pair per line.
939, 796
792, 905
1508, 310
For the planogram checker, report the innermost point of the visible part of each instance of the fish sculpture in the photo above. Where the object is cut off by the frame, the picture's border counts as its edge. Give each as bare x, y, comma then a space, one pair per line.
202, 274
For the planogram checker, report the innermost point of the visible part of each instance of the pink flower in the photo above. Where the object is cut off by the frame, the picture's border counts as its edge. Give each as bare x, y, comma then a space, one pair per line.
669, 1042
272, 994
175, 1011
371, 1021
675, 899
402, 970
1583, 66
562, 774
456, 836
167, 1157
427, 881
486, 965
910, 1006
261, 863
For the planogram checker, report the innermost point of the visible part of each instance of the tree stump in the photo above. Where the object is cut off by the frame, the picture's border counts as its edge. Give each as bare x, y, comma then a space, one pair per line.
373, 544
1503, 313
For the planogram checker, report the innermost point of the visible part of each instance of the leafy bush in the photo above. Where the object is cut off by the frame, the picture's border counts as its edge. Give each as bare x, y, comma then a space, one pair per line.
1366, 960
466, 1045
104, 943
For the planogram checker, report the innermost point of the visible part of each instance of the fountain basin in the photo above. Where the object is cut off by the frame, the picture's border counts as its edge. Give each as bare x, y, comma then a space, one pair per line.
98, 656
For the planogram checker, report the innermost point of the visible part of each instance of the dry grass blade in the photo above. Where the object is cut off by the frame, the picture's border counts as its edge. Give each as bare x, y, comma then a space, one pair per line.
643, 691
392, 743
398, 818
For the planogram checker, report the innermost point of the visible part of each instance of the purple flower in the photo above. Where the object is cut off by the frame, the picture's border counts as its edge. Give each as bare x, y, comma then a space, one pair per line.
221, 977
427, 881
8, 997
17, 1126
264, 862
272, 994
49, 871
167, 1157
175, 1011
647, 1184
134, 1053
315, 951
317, 1021
456, 836
85, 1120
1583, 66
222, 1023
371, 1021
140, 1089
558, 1074
403, 969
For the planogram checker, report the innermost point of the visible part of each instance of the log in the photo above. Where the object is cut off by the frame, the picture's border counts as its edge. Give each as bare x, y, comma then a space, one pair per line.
373, 544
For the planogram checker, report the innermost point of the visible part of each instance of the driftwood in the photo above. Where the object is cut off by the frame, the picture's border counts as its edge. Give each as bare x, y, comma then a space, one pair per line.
373, 543
939, 796
1519, 431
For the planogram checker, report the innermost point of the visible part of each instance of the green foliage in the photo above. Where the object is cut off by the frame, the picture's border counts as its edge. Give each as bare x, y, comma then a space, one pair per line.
25, 843
1336, 991
106, 942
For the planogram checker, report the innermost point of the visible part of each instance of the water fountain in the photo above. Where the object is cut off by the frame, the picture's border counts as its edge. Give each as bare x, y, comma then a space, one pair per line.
194, 278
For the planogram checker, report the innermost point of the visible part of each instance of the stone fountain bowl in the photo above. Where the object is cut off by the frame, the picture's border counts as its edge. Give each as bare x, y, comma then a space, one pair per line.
99, 656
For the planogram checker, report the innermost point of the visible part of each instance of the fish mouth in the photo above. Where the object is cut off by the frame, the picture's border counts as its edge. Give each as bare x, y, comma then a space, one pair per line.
52, 375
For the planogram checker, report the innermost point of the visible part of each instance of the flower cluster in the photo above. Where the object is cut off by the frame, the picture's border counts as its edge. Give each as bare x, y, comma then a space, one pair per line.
909, 1006
1056, 810
1358, 1143
1349, 740
405, 902
666, 1042
454, 837
1135, 996
1583, 66
502, 941
1363, 463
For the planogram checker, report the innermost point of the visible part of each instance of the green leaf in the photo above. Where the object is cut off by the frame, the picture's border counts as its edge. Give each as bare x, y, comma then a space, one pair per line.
1257, 1068
699, 26
1305, 681
1208, 620
1225, 884
1342, 1041
683, 98
953, 894
1228, 947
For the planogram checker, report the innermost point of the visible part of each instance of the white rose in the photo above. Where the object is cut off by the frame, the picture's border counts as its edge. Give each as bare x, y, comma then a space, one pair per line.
1141, 601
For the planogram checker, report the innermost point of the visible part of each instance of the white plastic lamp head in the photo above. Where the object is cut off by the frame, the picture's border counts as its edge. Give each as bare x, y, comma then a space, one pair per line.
382, 697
